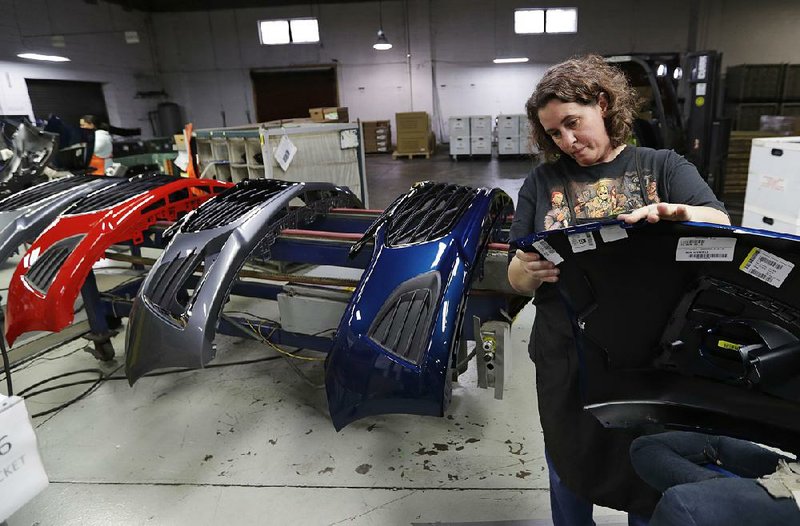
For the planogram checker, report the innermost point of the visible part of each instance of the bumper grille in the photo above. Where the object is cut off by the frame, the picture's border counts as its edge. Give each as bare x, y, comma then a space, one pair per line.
233, 203
108, 197
428, 212
44, 270
42, 191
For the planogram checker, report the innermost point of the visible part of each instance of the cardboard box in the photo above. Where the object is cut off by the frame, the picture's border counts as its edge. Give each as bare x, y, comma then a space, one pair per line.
337, 114
376, 124
779, 125
316, 114
416, 122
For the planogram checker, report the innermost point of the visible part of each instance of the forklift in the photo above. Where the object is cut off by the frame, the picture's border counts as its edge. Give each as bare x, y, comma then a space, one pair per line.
681, 98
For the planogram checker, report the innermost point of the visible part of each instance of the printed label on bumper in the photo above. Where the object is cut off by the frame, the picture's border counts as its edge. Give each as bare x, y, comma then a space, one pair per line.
548, 252
767, 267
705, 249
582, 242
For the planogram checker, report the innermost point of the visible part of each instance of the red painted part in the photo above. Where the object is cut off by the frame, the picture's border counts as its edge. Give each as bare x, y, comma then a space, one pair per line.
344, 236
501, 247
30, 310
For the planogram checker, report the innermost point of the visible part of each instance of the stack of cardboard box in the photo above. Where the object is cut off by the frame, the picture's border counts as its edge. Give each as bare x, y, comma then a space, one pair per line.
377, 136
414, 134
332, 114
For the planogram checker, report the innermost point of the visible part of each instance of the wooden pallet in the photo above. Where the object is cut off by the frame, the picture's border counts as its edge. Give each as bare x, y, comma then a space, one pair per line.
410, 155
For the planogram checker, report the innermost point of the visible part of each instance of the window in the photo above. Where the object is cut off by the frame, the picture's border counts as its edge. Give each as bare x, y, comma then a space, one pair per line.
538, 21
292, 31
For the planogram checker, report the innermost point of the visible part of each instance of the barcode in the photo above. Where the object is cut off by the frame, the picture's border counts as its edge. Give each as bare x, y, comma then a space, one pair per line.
762, 276
706, 255
771, 263
751, 261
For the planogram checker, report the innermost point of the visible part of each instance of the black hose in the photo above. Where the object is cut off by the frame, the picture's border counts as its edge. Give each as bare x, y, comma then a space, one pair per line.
4, 352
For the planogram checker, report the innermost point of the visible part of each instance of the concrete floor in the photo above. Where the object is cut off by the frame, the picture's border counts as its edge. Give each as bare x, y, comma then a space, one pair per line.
253, 444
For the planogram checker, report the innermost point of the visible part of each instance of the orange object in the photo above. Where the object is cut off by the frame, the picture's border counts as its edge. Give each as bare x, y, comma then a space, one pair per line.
99, 165
187, 132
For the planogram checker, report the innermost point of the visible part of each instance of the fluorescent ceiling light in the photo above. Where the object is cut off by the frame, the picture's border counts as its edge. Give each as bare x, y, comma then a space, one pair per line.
273, 32
528, 21
38, 56
562, 20
304, 30
513, 60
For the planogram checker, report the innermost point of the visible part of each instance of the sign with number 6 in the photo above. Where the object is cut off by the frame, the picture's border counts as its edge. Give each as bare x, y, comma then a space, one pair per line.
22, 475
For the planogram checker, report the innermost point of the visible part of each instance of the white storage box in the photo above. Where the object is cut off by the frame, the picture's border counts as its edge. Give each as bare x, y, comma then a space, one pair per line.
480, 146
525, 146
507, 125
524, 126
773, 185
480, 126
459, 145
508, 145
459, 127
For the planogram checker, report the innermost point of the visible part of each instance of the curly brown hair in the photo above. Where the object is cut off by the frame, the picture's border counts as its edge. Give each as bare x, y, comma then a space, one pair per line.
582, 80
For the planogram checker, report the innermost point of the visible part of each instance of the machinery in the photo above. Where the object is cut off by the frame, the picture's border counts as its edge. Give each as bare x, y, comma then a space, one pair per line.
680, 106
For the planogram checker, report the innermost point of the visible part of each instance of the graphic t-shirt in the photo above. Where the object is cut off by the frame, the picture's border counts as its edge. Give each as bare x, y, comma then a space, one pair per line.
563, 194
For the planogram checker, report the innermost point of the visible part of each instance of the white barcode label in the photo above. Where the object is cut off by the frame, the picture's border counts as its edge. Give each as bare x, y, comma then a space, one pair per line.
766, 267
611, 233
705, 249
582, 242
548, 252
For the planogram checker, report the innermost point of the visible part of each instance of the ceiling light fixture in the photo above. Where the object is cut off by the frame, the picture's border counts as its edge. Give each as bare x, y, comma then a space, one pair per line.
382, 44
512, 60
47, 58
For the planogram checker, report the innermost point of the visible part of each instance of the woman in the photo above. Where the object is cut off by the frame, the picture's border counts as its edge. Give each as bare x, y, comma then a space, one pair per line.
581, 114
102, 152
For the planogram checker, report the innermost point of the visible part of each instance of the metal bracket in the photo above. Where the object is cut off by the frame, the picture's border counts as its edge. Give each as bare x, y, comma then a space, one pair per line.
491, 358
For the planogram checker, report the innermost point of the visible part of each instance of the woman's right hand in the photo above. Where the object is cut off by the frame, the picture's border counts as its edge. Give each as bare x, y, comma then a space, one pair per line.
537, 267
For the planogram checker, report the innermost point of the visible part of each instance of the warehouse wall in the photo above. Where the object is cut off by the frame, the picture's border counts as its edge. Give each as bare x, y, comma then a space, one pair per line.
751, 32
94, 43
452, 44
203, 59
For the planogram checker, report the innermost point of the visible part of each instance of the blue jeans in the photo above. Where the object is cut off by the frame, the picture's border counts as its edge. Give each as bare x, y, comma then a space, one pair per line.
568, 509
673, 463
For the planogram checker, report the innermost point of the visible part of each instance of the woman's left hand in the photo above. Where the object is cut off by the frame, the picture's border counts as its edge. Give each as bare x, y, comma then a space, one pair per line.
656, 212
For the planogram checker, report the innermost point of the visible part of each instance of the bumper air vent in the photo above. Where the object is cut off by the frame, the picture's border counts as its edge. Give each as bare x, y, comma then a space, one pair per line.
44, 270
403, 324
